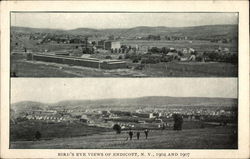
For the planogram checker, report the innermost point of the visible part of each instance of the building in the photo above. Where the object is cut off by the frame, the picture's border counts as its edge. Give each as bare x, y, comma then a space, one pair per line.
108, 45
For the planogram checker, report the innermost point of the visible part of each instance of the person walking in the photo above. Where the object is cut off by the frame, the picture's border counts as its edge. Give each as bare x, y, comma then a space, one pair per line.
130, 133
138, 135
146, 133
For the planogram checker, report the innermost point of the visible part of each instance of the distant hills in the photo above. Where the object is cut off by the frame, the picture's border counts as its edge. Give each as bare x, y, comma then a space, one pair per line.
161, 101
226, 31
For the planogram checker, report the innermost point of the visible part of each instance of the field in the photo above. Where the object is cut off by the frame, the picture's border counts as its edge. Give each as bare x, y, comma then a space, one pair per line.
207, 138
191, 69
26, 130
24, 68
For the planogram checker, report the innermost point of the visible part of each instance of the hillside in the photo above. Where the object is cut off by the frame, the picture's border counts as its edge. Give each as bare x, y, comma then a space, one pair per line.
142, 102
27, 105
153, 100
207, 138
207, 31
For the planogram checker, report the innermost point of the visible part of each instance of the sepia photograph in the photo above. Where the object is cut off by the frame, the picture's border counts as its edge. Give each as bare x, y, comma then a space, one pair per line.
120, 114
124, 44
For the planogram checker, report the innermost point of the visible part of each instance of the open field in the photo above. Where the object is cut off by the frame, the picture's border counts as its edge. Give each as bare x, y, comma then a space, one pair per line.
191, 69
26, 130
207, 138
26, 68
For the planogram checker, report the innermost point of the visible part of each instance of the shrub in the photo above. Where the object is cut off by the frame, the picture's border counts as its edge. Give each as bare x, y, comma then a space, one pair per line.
155, 50
117, 128
180, 53
165, 50
127, 56
135, 60
178, 121
120, 57
38, 135
108, 57
199, 58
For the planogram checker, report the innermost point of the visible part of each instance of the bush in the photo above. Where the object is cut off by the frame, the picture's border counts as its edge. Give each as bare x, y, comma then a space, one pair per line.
127, 56
180, 53
178, 121
120, 57
135, 60
117, 128
108, 57
221, 57
165, 50
199, 58
29, 56
155, 50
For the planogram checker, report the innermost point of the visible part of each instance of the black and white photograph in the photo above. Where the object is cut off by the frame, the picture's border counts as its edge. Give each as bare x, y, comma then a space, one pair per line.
165, 114
124, 44
124, 79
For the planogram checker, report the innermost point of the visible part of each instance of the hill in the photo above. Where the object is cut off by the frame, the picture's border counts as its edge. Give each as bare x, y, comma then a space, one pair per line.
153, 100
160, 101
26, 106
207, 31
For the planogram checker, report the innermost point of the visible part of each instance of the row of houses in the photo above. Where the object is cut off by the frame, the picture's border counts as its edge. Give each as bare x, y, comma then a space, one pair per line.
46, 118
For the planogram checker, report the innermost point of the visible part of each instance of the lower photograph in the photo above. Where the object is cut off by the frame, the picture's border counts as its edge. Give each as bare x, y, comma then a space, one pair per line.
150, 113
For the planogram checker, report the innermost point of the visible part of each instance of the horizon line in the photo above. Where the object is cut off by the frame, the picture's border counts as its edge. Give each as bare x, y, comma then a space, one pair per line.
121, 27
119, 98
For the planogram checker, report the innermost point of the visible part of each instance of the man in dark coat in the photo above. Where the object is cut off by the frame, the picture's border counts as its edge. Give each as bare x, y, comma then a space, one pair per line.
146, 133
130, 133
138, 135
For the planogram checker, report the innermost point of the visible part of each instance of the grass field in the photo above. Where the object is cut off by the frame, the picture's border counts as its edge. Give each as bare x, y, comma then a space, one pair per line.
191, 69
207, 138
26, 130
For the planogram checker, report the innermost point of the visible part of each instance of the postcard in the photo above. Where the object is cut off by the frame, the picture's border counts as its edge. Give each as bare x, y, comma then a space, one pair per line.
125, 79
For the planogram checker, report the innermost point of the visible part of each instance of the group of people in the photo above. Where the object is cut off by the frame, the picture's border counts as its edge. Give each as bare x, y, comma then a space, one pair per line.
131, 133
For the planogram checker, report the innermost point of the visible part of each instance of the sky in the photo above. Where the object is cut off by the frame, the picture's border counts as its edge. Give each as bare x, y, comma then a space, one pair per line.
50, 90
119, 20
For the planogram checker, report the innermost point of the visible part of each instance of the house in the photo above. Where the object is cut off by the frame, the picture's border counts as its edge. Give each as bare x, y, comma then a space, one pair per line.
192, 58
100, 44
151, 115
143, 49
173, 55
84, 120
115, 45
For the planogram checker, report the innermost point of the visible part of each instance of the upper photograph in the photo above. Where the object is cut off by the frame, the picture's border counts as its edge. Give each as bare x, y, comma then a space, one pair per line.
123, 44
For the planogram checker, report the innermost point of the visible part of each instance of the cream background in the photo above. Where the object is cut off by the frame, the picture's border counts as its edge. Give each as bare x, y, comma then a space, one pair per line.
51, 90
185, 6
119, 20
